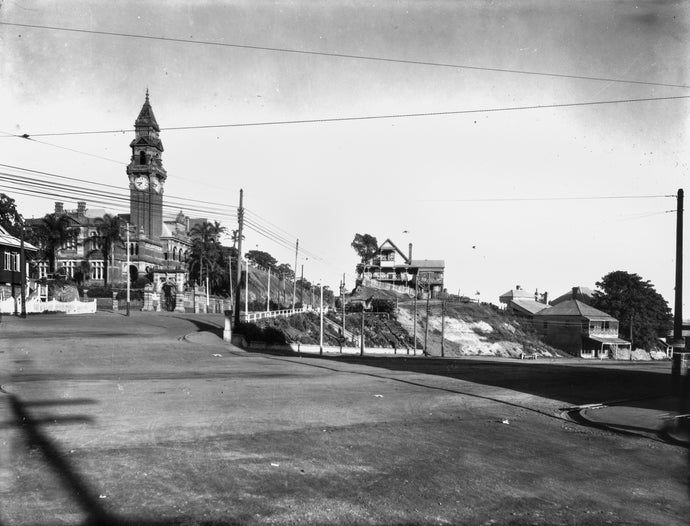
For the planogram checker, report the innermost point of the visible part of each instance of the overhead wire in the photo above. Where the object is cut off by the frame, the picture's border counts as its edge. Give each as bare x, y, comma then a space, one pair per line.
342, 55
375, 117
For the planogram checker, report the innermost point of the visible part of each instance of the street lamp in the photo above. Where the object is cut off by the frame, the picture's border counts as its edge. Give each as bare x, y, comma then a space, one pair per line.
321, 319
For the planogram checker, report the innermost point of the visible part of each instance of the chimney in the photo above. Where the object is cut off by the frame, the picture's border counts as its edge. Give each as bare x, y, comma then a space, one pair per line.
187, 224
576, 292
410, 252
546, 298
81, 207
59, 207
536, 294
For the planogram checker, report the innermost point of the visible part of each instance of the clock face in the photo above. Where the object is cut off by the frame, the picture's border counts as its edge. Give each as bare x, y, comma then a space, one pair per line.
156, 185
141, 183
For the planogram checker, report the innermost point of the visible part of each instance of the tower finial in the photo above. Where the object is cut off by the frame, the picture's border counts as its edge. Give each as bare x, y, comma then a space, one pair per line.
147, 93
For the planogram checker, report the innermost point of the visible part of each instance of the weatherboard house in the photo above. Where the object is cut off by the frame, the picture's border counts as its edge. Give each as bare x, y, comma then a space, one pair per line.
158, 246
389, 268
10, 267
581, 330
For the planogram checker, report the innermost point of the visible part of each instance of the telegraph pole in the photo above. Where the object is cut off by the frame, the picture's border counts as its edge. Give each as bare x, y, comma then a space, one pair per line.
342, 301
321, 320
679, 368
127, 274
414, 319
268, 293
240, 221
443, 324
426, 326
22, 272
294, 278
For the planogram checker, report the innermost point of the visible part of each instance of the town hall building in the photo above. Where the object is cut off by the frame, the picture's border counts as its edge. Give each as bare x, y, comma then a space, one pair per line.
156, 245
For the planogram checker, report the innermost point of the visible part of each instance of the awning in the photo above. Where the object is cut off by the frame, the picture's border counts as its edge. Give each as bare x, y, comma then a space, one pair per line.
613, 341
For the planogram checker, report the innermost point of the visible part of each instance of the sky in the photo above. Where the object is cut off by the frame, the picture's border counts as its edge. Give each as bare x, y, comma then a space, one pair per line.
546, 198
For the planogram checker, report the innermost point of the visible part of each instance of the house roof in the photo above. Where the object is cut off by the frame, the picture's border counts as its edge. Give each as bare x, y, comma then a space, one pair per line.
582, 293
515, 294
428, 263
10, 241
604, 339
530, 306
575, 308
394, 247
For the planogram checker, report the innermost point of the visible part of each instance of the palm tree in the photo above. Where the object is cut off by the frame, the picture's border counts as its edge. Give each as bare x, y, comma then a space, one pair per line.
53, 232
206, 253
83, 272
109, 232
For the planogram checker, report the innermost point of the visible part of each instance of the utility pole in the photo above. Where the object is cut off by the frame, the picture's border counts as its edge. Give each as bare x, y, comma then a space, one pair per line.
268, 293
321, 320
127, 273
414, 319
443, 325
246, 290
342, 303
426, 326
294, 278
22, 272
301, 288
679, 368
361, 336
240, 221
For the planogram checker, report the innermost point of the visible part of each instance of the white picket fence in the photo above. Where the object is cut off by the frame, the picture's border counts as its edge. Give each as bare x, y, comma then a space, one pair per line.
260, 315
35, 306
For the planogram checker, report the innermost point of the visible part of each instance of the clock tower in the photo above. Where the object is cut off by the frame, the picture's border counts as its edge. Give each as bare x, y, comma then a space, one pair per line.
146, 175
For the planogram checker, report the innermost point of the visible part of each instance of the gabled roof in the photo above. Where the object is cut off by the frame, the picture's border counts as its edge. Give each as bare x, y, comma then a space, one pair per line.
515, 293
581, 293
392, 246
428, 263
146, 116
575, 308
529, 306
10, 241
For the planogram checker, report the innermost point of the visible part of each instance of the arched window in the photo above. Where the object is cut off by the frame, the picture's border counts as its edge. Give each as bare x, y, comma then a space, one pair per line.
142, 157
174, 253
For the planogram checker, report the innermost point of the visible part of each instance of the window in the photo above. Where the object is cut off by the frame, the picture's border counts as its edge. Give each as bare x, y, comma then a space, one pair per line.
96, 270
8, 261
142, 157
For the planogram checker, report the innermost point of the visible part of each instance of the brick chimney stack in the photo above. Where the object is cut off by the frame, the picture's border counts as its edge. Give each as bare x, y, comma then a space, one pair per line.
59, 207
409, 251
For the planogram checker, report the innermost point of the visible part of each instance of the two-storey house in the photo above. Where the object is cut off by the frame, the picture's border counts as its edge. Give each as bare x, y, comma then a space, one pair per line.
391, 269
581, 330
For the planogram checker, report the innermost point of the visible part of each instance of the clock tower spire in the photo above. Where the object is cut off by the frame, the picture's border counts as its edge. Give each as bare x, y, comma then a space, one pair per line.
146, 174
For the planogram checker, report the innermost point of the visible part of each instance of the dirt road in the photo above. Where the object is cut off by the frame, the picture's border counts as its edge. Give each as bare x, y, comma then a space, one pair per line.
124, 420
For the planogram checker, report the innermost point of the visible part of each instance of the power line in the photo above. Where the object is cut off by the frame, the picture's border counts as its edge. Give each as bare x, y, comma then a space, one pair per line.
345, 55
572, 198
183, 200
372, 117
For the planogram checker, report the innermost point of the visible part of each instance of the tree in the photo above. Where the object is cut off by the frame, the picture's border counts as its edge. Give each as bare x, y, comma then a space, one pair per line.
206, 254
630, 299
285, 271
365, 246
10, 218
51, 233
109, 232
82, 273
261, 259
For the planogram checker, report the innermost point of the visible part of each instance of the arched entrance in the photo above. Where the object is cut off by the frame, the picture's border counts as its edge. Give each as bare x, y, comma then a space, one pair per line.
133, 274
169, 293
